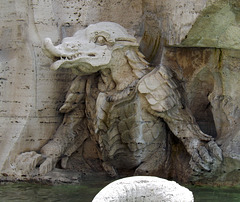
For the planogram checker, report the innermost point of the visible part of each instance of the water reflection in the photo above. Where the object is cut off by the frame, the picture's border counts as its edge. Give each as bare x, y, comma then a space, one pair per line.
216, 194
33, 192
88, 189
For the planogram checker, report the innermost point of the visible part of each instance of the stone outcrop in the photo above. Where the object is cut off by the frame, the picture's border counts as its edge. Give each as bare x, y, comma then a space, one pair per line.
203, 57
144, 188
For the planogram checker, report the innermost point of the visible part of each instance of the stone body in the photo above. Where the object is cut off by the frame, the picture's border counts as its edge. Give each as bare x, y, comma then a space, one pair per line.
197, 40
126, 106
144, 188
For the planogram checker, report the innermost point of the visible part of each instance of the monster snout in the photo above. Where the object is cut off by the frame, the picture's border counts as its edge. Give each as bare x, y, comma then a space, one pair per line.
50, 49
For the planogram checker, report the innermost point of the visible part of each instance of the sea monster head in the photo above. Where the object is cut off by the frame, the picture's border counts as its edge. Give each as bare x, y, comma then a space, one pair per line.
91, 49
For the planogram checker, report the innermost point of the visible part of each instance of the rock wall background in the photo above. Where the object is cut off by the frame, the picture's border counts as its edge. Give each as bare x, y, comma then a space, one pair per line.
199, 40
31, 93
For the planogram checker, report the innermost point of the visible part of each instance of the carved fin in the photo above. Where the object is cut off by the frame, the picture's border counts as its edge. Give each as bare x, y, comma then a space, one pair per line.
132, 56
160, 90
137, 65
139, 74
158, 107
75, 94
151, 99
160, 94
166, 73
171, 83
141, 57
140, 54
101, 110
152, 83
142, 88
136, 61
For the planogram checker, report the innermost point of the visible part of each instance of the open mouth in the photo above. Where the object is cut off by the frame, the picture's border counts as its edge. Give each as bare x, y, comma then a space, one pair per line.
69, 59
58, 61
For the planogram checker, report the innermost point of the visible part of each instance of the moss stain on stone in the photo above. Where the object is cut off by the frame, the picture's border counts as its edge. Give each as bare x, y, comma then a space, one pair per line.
218, 26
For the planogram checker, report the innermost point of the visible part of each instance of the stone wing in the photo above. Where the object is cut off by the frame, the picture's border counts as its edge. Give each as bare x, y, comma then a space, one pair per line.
160, 90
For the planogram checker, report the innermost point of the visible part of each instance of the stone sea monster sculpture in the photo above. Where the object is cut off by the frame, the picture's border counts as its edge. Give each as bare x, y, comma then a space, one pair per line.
122, 103
144, 188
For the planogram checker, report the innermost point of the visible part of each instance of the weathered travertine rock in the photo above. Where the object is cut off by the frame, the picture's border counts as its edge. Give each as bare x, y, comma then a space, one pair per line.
211, 78
217, 26
143, 188
31, 94
124, 99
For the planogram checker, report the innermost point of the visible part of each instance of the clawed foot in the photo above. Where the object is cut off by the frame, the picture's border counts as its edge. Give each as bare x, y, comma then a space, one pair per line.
27, 163
47, 166
206, 155
109, 169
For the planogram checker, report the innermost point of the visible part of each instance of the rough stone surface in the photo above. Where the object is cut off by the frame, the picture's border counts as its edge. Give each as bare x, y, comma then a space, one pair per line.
211, 83
217, 26
31, 94
121, 100
143, 188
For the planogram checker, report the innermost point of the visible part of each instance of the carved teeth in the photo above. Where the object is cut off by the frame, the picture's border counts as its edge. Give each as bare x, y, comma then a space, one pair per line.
71, 57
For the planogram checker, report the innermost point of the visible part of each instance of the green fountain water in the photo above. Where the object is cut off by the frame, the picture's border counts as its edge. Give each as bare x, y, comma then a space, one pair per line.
85, 192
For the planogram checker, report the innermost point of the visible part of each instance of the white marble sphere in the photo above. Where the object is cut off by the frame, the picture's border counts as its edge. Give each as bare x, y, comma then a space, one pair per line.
144, 188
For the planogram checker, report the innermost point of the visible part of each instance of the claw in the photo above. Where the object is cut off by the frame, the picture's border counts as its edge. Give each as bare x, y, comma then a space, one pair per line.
204, 166
27, 162
203, 152
215, 150
47, 166
198, 160
194, 166
109, 169
204, 155
205, 137
201, 135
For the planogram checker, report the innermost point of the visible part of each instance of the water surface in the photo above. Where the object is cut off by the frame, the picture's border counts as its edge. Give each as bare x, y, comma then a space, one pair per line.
215, 194
86, 191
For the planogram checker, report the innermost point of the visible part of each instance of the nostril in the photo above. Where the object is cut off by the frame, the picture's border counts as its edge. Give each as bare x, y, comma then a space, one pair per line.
91, 55
70, 46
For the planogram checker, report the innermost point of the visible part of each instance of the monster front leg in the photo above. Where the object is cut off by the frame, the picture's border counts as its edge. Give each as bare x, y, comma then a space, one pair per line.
205, 153
68, 137
163, 99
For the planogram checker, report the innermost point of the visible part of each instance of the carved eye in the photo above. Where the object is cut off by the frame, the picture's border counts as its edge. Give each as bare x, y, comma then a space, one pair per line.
100, 40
